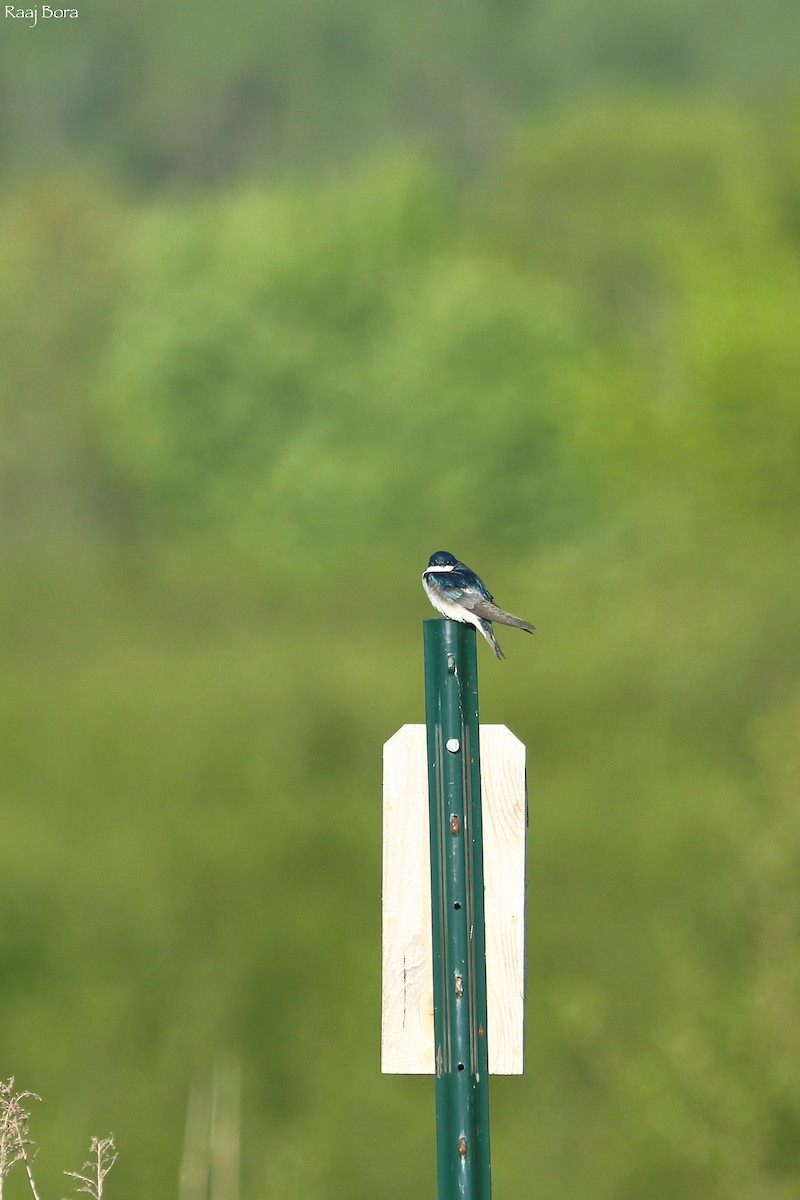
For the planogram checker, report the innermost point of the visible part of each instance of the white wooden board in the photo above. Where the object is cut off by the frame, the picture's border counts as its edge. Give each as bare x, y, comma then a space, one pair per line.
407, 1003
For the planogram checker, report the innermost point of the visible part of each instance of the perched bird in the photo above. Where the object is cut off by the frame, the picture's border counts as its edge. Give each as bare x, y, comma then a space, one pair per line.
457, 592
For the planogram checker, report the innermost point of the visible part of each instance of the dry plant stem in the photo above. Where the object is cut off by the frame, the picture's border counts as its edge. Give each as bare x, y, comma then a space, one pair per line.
104, 1155
29, 1173
14, 1139
14, 1144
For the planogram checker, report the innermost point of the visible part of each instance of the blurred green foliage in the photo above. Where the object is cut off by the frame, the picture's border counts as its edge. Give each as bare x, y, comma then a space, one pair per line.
198, 94
234, 427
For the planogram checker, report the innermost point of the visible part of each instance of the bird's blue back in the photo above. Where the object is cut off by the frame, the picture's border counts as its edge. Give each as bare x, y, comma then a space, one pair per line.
463, 579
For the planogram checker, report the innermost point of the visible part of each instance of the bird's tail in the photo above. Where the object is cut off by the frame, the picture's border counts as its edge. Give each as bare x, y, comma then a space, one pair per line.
488, 633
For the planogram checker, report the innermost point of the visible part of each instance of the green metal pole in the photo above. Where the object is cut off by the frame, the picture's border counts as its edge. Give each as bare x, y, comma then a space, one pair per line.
459, 945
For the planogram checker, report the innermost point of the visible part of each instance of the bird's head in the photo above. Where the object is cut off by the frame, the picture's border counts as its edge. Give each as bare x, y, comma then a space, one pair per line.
442, 560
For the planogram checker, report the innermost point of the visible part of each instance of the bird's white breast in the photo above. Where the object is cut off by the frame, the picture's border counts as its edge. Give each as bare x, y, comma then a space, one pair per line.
448, 608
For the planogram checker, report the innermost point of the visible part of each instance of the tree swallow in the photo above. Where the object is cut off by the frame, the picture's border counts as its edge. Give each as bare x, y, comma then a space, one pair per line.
457, 592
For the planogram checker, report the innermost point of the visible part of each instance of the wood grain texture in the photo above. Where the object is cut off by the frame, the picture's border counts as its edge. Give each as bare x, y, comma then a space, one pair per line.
407, 999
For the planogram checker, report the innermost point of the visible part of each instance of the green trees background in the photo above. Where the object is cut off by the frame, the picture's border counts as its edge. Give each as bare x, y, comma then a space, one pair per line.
292, 297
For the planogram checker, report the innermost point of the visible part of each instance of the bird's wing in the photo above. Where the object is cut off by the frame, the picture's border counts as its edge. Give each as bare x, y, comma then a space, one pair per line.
488, 611
470, 589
